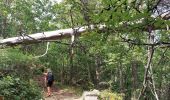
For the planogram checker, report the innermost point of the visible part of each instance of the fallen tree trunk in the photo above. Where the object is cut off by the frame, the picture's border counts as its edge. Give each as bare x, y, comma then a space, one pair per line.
45, 36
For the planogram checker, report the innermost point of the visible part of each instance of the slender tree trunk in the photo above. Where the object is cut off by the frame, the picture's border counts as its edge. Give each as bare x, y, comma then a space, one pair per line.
4, 27
85, 11
168, 92
62, 71
72, 48
121, 78
134, 79
134, 74
7, 4
89, 72
148, 83
151, 51
71, 59
97, 77
98, 61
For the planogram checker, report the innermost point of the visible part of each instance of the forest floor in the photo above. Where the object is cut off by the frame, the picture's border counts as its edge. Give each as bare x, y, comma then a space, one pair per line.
62, 94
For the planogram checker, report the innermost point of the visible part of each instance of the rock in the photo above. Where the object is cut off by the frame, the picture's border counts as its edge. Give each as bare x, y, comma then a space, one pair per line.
90, 95
103, 85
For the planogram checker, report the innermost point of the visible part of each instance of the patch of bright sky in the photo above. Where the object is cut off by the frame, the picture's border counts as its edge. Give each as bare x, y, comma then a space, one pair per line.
57, 1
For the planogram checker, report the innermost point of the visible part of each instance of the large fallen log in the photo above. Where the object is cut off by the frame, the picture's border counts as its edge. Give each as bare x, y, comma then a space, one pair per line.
45, 36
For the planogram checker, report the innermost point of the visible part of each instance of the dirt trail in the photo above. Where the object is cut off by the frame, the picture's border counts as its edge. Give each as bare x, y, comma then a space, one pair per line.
62, 95
57, 93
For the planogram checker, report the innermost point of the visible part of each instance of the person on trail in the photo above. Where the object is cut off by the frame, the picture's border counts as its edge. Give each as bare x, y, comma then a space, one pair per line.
49, 79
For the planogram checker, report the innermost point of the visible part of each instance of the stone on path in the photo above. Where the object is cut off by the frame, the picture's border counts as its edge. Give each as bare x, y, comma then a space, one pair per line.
90, 95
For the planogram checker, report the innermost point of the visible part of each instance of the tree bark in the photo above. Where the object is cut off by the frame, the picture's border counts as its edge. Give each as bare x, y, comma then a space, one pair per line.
134, 79
148, 75
121, 78
71, 58
85, 11
168, 92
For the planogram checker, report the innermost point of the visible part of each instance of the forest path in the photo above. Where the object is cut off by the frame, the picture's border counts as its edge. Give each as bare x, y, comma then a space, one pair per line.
62, 94
58, 93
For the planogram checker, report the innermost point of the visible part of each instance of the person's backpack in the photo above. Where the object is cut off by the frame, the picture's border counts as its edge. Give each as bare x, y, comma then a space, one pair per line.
50, 77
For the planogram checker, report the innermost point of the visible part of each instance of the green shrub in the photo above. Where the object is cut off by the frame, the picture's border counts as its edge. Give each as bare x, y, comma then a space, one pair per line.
16, 89
108, 95
14, 63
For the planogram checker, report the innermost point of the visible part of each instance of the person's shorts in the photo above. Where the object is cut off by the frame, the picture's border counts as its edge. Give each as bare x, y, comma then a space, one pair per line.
49, 83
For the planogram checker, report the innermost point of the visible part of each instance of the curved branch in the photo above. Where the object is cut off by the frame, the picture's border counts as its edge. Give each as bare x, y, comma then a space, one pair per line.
48, 43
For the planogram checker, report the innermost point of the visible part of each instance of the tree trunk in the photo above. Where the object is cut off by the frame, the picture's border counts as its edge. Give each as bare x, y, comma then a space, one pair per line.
134, 74
4, 19
47, 36
168, 92
134, 80
121, 78
85, 11
71, 58
62, 71
148, 83
98, 61
4, 26
97, 77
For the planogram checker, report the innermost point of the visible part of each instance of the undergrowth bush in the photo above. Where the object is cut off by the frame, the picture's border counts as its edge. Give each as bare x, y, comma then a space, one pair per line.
108, 95
15, 76
12, 88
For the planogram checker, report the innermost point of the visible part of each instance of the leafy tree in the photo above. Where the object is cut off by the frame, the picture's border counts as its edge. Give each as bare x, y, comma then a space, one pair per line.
129, 50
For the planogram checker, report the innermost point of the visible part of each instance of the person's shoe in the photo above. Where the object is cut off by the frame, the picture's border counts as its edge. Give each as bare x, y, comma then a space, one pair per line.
48, 94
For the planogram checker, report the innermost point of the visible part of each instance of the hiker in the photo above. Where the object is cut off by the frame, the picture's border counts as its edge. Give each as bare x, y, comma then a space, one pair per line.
49, 79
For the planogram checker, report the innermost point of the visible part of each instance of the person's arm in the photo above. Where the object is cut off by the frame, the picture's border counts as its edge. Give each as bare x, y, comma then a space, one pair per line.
45, 74
45, 79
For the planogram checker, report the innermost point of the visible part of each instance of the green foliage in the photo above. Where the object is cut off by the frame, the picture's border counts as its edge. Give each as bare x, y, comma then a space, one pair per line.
99, 55
108, 95
15, 73
13, 61
22, 16
13, 88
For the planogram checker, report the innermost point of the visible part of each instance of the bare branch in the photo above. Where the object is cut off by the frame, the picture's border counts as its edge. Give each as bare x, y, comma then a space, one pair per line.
48, 43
